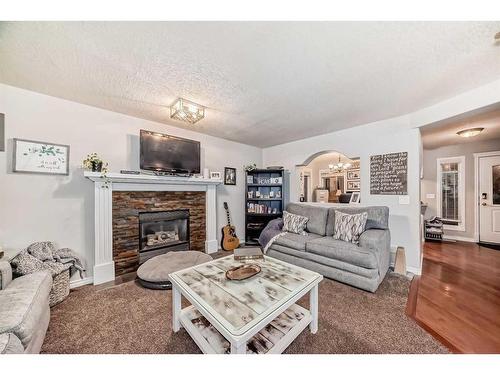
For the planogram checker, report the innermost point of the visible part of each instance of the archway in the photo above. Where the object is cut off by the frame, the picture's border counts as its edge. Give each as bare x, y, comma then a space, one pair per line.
328, 177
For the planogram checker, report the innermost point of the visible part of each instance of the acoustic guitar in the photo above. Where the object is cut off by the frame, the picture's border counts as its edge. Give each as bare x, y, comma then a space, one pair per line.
229, 240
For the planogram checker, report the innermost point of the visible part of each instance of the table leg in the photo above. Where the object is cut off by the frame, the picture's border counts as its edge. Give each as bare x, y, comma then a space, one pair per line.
176, 309
313, 306
239, 348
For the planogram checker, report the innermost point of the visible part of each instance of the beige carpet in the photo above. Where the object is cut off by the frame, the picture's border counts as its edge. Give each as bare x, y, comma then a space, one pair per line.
130, 319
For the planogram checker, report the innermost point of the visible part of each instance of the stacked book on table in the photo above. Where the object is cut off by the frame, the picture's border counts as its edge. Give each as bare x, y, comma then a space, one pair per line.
250, 253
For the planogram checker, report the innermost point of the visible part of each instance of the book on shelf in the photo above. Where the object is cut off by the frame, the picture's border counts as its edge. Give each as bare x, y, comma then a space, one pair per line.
255, 208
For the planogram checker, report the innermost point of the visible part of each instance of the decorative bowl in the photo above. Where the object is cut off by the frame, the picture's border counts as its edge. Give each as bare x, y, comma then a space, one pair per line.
242, 272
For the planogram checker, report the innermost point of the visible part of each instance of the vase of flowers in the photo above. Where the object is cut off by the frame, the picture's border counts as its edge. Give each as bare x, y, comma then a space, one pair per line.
94, 163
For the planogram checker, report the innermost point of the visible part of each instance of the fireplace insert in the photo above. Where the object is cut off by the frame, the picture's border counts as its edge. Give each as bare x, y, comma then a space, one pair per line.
162, 231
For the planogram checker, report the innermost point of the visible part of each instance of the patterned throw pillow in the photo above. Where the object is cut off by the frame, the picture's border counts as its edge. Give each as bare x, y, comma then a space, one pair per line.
349, 227
294, 223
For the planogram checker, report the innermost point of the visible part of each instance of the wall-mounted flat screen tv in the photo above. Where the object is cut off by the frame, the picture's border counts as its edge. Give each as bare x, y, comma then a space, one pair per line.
166, 153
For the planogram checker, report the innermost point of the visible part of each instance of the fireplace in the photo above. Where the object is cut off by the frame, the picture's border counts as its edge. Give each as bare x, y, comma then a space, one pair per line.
162, 231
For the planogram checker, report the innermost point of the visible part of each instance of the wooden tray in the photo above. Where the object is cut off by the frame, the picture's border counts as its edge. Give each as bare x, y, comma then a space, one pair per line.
242, 272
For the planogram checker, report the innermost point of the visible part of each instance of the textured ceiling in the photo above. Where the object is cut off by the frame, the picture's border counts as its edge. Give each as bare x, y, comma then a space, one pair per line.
264, 83
444, 133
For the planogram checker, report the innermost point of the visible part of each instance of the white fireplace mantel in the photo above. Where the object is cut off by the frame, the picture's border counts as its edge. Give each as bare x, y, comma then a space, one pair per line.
104, 266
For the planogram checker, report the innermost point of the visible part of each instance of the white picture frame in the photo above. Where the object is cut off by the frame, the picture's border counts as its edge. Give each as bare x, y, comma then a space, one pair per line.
355, 198
40, 157
353, 175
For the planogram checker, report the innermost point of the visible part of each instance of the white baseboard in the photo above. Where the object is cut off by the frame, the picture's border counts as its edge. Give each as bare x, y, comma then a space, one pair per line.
85, 281
211, 246
458, 238
414, 270
104, 272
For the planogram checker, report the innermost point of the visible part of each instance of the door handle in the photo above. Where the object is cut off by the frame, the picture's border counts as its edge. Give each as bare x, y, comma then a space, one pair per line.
483, 204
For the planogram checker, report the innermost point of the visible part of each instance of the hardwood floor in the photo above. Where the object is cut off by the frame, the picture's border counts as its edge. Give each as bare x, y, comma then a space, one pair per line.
457, 297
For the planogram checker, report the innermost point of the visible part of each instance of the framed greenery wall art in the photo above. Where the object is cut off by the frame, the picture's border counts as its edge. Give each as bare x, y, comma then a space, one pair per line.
40, 157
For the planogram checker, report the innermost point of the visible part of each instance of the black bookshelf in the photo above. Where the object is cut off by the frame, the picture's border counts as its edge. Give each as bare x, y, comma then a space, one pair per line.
265, 200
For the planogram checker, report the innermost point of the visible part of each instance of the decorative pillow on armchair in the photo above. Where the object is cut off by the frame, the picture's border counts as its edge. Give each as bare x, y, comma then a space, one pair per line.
349, 227
294, 223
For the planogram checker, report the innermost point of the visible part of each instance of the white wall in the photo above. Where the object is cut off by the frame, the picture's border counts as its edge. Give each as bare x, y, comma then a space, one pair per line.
393, 135
60, 208
429, 185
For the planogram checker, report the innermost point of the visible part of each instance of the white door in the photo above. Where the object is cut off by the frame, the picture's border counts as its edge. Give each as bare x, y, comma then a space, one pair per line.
489, 199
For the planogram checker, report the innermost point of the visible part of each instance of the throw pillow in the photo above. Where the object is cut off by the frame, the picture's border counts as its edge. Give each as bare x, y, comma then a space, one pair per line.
294, 223
349, 227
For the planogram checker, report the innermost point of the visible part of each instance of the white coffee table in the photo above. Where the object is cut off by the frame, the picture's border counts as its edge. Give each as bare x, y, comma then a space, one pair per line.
257, 315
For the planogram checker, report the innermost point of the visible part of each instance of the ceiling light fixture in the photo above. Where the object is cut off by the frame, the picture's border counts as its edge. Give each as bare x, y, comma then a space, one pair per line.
466, 133
185, 110
339, 166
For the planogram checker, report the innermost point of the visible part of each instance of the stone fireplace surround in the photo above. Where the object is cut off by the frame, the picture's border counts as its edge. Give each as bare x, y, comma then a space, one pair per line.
127, 205
114, 184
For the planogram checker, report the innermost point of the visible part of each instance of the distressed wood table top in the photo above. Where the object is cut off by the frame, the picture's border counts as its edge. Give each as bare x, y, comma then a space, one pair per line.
239, 305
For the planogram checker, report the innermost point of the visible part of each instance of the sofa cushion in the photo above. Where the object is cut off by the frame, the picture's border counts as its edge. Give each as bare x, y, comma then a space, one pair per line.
317, 216
10, 344
349, 227
321, 260
294, 223
23, 304
295, 241
378, 216
344, 251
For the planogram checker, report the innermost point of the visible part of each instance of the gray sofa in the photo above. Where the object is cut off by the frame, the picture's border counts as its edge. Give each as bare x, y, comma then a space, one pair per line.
24, 310
362, 266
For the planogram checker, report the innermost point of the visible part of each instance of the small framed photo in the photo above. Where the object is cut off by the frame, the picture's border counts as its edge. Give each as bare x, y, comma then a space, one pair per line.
215, 175
229, 176
353, 174
257, 194
40, 157
355, 197
249, 179
353, 185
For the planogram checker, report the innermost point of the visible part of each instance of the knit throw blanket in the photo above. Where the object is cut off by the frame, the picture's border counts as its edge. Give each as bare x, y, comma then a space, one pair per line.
43, 256
271, 233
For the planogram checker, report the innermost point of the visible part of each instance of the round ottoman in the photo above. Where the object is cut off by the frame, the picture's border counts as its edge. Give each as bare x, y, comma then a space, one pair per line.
153, 273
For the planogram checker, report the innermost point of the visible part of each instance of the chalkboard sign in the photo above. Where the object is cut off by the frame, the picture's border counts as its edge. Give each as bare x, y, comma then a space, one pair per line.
389, 174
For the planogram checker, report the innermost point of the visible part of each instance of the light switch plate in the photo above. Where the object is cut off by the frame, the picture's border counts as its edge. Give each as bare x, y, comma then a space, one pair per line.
404, 199
430, 196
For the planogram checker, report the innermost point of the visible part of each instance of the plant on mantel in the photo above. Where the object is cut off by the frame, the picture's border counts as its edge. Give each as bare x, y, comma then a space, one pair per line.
250, 167
94, 163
